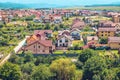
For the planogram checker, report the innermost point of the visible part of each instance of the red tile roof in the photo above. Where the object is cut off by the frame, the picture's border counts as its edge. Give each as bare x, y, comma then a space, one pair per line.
42, 32
114, 39
106, 29
79, 25
47, 43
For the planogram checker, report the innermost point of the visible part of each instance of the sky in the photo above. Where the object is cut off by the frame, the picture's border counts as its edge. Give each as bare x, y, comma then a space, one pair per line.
77, 2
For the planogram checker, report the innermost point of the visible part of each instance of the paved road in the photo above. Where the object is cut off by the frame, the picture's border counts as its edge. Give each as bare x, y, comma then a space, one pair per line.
17, 48
5, 59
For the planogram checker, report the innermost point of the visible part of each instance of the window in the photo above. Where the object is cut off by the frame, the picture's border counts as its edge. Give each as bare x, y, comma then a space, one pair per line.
38, 46
43, 50
66, 40
34, 46
60, 40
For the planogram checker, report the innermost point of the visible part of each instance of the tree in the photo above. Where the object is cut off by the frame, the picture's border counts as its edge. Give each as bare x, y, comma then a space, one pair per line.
118, 74
10, 71
28, 57
47, 26
16, 59
96, 77
86, 54
87, 28
63, 69
41, 72
79, 64
44, 60
56, 28
108, 74
61, 25
1, 25
119, 51
27, 68
103, 41
93, 66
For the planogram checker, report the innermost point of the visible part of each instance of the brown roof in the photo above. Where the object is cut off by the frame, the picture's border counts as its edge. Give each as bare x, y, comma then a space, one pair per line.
92, 38
106, 29
61, 36
79, 25
75, 29
106, 23
41, 32
114, 39
32, 38
47, 43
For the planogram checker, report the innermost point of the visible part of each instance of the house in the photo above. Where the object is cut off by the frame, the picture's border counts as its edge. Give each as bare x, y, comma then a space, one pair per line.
76, 20
105, 24
92, 38
117, 26
48, 18
43, 34
67, 13
88, 20
64, 41
77, 23
37, 20
75, 33
38, 46
106, 32
57, 19
5, 16
114, 42
64, 32
39, 42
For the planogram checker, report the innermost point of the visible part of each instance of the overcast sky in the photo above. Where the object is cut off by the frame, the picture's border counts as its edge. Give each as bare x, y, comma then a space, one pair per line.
63, 1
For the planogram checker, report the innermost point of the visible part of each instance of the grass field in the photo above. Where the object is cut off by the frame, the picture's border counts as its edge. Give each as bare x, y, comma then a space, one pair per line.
100, 52
111, 8
78, 42
67, 51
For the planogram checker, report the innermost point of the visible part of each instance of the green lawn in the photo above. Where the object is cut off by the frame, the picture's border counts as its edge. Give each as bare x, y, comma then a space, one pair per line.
67, 51
113, 8
78, 42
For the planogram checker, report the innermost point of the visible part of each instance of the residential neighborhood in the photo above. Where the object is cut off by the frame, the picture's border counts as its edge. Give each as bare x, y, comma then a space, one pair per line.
59, 40
41, 41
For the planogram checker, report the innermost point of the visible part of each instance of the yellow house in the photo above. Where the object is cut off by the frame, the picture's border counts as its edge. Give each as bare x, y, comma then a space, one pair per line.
106, 32
114, 42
